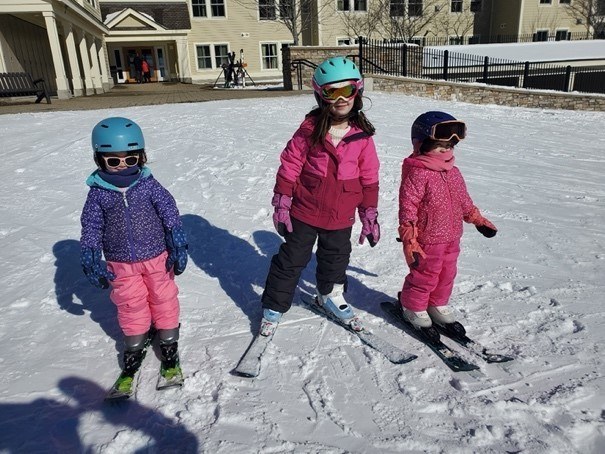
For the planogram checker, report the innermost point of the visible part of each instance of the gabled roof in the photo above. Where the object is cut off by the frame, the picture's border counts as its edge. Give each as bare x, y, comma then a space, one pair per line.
146, 16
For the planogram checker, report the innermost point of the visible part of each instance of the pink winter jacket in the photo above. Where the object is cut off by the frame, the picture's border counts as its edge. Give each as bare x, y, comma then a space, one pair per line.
328, 183
435, 201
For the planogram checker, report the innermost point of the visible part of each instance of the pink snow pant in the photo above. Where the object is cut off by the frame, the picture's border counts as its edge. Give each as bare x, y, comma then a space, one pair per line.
431, 282
144, 292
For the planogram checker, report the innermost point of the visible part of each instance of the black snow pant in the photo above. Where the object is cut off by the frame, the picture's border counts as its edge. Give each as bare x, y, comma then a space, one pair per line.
333, 253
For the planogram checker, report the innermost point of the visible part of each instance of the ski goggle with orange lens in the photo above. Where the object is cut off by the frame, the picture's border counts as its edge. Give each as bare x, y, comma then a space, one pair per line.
114, 161
447, 130
332, 92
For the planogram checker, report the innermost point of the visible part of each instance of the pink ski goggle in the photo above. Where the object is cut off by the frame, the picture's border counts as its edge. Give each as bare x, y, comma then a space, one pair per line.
333, 92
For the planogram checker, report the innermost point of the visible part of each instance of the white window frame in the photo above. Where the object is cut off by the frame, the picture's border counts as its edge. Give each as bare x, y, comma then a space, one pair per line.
278, 55
544, 3
208, 9
461, 2
543, 30
212, 46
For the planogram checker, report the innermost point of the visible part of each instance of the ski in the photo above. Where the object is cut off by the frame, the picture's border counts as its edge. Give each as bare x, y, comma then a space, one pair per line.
126, 383
394, 354
430, 337
456, 332
250, 364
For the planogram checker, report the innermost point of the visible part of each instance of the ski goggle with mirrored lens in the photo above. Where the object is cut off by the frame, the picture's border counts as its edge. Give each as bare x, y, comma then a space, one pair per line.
345, 90
114, 161
447, 130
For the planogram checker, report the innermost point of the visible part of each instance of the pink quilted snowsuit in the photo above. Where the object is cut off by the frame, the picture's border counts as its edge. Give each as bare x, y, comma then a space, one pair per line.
436, 202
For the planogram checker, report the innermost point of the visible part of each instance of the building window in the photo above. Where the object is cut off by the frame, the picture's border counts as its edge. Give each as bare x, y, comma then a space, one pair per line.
545, 2
286, 9
456, 6
221, 54
456, 40
266, 10
415, 8
360, 5
397, 8
562, 35
269, 56
343, 5
343, 42
204, 57
198, 8
541, 35
475, 6
564, 2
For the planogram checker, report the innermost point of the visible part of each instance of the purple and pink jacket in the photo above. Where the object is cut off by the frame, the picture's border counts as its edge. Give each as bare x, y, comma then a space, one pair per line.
128, 226
328, 183
435, 201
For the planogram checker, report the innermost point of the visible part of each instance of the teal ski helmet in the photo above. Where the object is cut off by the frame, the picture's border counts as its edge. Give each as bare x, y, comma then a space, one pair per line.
335, 69
117, 134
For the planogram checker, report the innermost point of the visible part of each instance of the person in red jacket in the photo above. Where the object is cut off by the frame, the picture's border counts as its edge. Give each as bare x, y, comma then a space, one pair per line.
433, 202
329, 169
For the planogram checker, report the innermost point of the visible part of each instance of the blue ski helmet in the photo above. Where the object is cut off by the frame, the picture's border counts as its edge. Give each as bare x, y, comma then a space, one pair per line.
422, 128
335, 69
117, 134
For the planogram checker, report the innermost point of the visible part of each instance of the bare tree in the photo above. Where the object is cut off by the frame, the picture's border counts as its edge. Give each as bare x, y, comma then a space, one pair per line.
406, 19
590, 13
295, 15
456, 24
366, 24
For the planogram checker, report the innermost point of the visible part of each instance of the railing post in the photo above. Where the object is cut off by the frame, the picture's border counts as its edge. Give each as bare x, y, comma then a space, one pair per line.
485, 69
525, 74
360, 55
566, 87
405, 60
445, 61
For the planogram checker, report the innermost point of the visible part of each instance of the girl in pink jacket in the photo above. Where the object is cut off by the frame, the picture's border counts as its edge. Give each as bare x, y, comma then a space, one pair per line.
433, 202
329, 169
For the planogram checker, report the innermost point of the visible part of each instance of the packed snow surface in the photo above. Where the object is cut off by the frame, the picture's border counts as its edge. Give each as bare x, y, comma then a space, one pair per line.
534, 291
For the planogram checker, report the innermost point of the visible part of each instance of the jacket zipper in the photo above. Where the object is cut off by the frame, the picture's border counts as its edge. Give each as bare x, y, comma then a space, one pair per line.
133, 255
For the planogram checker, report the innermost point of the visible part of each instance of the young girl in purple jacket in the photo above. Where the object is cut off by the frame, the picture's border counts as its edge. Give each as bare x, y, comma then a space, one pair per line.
329, 169
433, 202
133, 221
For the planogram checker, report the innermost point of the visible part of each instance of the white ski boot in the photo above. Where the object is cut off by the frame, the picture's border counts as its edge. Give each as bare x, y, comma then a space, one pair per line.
419, 319
336, 304
442, 315
269, 323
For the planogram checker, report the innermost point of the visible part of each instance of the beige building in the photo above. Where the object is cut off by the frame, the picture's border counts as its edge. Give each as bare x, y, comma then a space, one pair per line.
59, 41
81, 47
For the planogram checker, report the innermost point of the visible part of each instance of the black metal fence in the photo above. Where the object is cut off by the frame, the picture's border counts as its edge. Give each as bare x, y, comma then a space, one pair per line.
484, 39
407, 60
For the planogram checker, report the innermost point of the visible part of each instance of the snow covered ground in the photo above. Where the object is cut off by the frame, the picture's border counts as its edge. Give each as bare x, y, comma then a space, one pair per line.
534, 291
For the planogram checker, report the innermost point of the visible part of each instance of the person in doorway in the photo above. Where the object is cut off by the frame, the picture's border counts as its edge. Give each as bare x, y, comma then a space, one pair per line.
138, 68
134, 222
433, 202
146, 71
329, 169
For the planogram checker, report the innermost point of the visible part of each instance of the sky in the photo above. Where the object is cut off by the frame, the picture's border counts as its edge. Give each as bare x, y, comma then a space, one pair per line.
535, 291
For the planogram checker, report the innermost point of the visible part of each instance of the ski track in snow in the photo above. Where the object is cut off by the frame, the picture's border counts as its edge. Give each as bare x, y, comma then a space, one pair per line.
534, 291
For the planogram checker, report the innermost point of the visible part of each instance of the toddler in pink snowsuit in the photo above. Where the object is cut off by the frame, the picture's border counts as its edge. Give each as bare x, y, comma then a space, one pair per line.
433, 202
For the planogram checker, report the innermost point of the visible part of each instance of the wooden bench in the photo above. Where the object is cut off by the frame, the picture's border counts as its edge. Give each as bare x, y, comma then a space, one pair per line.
22, 84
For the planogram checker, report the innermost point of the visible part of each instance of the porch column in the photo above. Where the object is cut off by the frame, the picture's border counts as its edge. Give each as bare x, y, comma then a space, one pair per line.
86, 64
55, 48
96, 73
104, 61
183, 59
72, 55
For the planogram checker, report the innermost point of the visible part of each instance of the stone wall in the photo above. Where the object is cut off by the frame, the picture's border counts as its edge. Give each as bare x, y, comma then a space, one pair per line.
443, 90
486, 94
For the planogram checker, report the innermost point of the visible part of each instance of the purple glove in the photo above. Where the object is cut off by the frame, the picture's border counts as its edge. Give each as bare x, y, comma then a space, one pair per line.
370, 228
281, 216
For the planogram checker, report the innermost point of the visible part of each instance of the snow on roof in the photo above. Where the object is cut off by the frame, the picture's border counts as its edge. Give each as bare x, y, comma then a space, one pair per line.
550, 51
